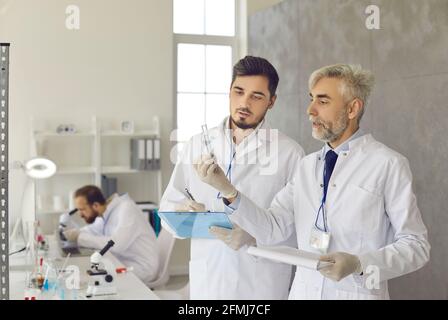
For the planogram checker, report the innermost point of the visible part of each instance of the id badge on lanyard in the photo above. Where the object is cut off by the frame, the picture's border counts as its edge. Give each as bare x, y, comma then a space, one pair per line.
320, 237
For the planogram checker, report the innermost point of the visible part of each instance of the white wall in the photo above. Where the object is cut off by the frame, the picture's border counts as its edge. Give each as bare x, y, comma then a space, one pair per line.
119, 65
2, 9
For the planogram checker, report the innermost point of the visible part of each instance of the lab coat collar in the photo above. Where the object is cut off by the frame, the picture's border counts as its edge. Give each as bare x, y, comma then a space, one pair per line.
221, 138
345, 146
360, 141
262, 134
115, 200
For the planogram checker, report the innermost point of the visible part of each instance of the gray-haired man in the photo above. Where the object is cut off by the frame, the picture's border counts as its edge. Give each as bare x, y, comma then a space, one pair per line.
353, 199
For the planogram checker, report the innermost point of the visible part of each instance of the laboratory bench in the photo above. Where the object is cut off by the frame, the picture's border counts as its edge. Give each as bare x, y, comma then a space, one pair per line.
129, 286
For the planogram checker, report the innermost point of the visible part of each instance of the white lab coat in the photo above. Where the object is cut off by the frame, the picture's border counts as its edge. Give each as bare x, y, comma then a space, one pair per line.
135, 240
217, 271
372, 213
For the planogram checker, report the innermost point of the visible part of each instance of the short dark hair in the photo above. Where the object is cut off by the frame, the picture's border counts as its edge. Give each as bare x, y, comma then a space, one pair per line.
92, 194
256, 66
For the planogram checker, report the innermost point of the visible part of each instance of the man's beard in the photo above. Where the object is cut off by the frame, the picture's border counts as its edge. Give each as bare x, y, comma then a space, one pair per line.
91, 219
331, 133
244, 126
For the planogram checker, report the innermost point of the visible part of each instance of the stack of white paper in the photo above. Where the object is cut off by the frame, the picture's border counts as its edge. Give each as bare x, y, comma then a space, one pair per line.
290, 256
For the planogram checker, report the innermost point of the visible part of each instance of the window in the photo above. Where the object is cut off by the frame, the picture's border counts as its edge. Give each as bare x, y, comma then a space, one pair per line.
205, 45
204, 17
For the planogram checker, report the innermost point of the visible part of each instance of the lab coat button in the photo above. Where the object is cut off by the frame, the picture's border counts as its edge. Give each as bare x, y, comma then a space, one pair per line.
334, 185
321, 185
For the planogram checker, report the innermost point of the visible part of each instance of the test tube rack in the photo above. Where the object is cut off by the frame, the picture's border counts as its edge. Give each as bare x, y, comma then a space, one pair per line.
4, 235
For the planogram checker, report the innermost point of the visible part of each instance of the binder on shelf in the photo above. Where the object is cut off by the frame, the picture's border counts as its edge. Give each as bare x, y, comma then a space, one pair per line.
149, 154
138, 154
108, 186
156, 153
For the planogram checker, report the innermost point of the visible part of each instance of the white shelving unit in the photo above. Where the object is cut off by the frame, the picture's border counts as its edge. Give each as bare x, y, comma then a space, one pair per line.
47, 134
91, 173
136, 134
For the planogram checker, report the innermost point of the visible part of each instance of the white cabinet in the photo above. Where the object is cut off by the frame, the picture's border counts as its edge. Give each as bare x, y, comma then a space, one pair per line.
94, 149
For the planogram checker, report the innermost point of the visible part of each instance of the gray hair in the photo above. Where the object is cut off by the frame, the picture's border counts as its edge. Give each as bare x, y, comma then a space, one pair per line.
357, 82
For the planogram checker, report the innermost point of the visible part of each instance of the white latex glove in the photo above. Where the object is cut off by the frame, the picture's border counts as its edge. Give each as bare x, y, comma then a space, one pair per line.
344, 264
211, 173
71, 234
235, 238
190, 205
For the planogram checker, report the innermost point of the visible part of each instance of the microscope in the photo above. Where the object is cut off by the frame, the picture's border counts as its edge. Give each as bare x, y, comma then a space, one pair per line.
66, 222
101, 274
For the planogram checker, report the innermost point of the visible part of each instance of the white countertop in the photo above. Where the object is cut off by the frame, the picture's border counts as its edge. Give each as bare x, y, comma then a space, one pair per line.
129, 286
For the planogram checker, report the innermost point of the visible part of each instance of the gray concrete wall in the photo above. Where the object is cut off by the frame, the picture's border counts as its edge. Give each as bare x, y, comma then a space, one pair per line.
409, 106
258, 5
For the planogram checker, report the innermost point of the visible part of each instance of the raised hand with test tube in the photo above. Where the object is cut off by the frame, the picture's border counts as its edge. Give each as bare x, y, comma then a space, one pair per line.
212, 174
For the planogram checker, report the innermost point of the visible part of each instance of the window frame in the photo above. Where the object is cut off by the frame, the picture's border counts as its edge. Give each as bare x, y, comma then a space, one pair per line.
232, 41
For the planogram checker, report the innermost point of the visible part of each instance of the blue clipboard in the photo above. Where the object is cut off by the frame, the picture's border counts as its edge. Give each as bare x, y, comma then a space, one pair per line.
195, 224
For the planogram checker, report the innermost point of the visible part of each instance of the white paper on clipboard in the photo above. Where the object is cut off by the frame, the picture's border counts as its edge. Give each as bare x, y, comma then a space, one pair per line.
290, 255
